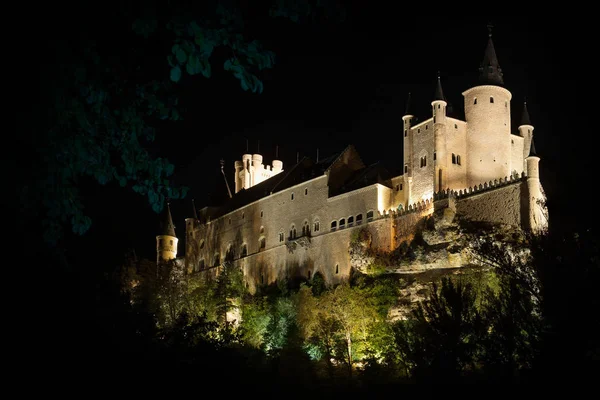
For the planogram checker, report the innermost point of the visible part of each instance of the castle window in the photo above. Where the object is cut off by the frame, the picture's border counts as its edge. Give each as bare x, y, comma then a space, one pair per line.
261, 243
491, 99
337, 268
305, 229
359, 219
475, 101
419, 130
333, 225
280, 237
316, 226
434, 120
406, 168
292, 196
423, 161
171, 242
262, 229
434, 156
405, 132
306, 191
342, 223
453, 158
400, 186
243, 215
369, 216
458, 159
528, 130
261, 213
350, 221
426, 127
455, 126
439, 106
229, 221
506, 104
244, 252
397, 188
293, 232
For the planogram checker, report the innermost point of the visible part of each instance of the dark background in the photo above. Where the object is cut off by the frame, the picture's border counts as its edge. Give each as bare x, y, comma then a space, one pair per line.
347, 83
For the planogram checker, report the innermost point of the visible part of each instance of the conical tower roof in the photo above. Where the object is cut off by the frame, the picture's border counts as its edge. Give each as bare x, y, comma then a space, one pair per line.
532, 152
525, 116
167, 226
439, 93
490, 72
409, 108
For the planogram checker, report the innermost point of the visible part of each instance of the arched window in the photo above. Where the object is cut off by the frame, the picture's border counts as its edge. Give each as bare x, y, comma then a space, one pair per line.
281, 237
316, 226
342, 223
293, 232
359, 219
406, 168
458, 159
337, 268
491, 99
333, 225
350, 221
475, 101
305, 229
453, 158
370, 216
261, 243
244, 251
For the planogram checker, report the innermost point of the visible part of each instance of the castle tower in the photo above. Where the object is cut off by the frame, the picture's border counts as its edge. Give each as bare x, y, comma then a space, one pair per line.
408, 149
166, 242
487, 113
440, 158
537, 210
251, 171
526, 132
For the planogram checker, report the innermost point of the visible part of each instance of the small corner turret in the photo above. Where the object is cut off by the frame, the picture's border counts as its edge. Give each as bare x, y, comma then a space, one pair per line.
251, 171
166, 241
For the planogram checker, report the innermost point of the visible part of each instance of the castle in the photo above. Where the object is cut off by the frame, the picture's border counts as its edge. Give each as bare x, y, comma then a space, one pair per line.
299, 221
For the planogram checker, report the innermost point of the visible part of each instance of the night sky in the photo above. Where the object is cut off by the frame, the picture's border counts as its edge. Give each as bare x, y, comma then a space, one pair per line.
334, 85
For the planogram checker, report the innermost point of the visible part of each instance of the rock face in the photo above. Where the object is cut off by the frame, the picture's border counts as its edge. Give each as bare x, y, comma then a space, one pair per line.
440, 246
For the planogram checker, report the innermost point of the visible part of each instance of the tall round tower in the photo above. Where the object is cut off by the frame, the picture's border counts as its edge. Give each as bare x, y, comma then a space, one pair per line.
440, 156
407, 169
166, 242
487, 113
537, 209
526, 132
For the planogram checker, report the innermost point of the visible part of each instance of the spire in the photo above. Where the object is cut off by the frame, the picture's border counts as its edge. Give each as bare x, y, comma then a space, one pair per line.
490, 72
194, 214
525, 116
439, 93
532, 152
167, 227
408, 110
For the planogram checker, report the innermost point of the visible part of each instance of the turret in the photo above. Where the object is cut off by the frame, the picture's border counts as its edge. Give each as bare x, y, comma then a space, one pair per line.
277, 166
408, 148
487, 113
526, 132
166, 241
247, 164
257, 169
537, 210
440, 158
239, 176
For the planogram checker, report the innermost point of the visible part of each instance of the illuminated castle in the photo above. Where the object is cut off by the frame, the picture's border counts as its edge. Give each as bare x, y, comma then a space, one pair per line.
299, 221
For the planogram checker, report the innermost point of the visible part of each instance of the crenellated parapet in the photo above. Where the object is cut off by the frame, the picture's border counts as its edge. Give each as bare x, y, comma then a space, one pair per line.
477, 189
